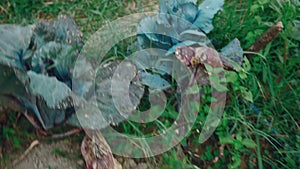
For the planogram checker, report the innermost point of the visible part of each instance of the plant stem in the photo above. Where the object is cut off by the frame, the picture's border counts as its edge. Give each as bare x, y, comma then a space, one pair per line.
259, 158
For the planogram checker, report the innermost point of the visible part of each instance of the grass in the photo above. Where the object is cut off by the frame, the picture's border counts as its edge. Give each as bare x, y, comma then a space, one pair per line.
272, 81
271, 122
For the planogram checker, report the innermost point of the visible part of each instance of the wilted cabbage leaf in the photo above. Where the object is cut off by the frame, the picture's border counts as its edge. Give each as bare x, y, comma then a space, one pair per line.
207, 11
62, 30
52, 90
175, 17
179, 23
16, 46
233, 51
11, 89
106, 89
36, 62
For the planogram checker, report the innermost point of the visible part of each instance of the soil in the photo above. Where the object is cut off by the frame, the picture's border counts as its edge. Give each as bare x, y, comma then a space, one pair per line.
62, 154
57, 155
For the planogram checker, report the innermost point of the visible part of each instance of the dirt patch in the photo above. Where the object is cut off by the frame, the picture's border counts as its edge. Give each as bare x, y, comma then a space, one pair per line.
58, 155
65, 154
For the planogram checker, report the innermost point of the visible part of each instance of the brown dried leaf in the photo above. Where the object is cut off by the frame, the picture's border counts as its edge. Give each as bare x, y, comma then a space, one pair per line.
96, 152
193, 56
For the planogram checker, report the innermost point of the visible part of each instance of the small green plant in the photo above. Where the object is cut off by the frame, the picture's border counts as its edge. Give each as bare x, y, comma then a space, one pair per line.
9, 134
59, 152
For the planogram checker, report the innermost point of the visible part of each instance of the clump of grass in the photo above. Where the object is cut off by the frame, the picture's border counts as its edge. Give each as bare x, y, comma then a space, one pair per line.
272, 80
